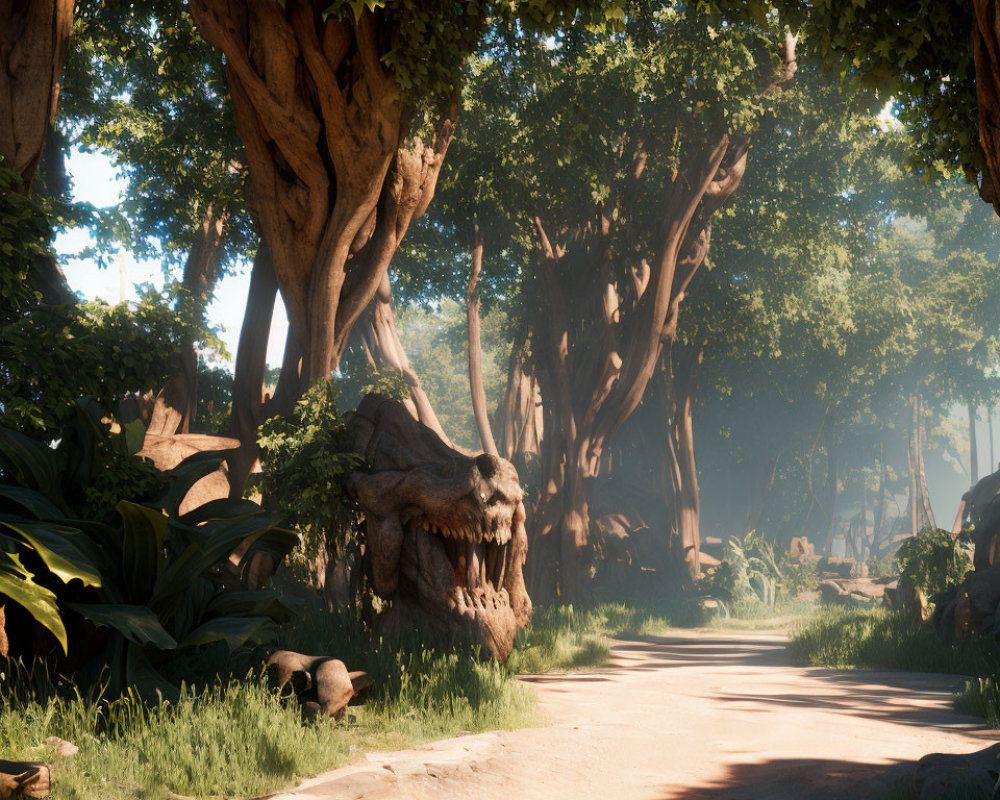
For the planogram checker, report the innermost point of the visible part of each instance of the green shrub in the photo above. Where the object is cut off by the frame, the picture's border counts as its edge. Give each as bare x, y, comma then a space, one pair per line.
933, 560
140, 571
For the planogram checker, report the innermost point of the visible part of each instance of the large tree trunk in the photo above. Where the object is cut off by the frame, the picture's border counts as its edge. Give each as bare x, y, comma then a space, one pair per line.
34, 39
176, 403
333, 183
521, 416
594, 372
476, 387
918, 506
251, 367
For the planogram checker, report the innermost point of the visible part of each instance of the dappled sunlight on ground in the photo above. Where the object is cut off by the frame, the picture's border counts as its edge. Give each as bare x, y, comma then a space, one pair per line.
689, 714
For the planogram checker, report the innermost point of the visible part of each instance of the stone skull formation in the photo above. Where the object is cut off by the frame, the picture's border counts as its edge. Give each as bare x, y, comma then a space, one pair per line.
445, 533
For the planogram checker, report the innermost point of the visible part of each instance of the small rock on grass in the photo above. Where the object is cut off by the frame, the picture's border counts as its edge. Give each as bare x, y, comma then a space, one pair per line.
61, 747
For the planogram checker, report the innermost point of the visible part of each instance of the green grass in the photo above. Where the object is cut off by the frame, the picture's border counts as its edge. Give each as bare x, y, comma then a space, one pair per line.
879, 639
242, 740
562, 638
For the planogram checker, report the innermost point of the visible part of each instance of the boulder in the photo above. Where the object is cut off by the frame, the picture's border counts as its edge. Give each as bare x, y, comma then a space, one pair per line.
802, 550
320, 683
939, 776
905, 598
831, 593
841, 568
976, 601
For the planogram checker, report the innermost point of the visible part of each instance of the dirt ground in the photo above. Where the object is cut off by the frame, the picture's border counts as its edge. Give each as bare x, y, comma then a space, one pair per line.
694, 714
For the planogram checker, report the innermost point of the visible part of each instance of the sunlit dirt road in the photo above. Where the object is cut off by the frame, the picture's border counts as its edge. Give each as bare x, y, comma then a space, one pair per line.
694, 714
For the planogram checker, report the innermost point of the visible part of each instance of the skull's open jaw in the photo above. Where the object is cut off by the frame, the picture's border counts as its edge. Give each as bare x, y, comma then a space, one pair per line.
467, 558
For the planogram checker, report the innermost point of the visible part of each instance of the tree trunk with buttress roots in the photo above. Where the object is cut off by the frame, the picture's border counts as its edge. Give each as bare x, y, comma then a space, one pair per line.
250, 369
34, 40
177, 401
333, 181
592, 381
381, 344
476, 387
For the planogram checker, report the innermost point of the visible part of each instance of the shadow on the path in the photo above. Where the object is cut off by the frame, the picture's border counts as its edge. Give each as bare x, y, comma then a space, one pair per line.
799, 779
917, 699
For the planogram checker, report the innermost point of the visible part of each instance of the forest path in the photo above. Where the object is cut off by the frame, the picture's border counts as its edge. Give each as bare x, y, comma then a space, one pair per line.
706, 715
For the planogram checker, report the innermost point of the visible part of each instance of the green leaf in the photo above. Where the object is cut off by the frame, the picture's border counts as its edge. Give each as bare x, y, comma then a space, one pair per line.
36, 600
142, 548
33, 461
55, 546
136, 623
27, 500
234, 631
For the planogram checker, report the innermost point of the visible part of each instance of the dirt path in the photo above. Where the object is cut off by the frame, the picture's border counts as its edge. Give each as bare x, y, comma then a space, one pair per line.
695, 714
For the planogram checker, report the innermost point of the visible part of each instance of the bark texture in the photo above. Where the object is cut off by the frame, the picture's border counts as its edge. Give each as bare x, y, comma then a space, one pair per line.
34, 39
382, 346
475, 348
251, 366
333, 183
986, 51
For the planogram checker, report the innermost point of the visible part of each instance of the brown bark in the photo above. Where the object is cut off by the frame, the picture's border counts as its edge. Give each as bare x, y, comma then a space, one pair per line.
381, 342
333, 184
475, 348
973, 446
986, 52
763, 484
521, 423
251, 366
34, 39
176, 403
918, 507
688, 501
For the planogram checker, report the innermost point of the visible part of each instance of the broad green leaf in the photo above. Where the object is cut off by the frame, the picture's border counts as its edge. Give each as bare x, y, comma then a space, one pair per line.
33, 461
136, 623
27, 500
37, 600
235, 631
55, 545
142, 548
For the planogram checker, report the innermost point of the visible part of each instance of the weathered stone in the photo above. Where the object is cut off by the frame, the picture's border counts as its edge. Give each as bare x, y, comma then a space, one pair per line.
832, 593
61, 747
24, 779
802, 550
322, 684
444, 530
940, 776
976, 601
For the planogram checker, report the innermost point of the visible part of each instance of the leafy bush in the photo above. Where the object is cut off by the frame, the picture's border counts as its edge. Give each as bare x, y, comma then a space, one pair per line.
749, 572
933, 560
307, 460
140, 572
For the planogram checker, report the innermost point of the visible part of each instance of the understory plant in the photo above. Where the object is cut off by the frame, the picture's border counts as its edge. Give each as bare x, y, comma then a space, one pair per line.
934, 560
124, 590
749, 573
